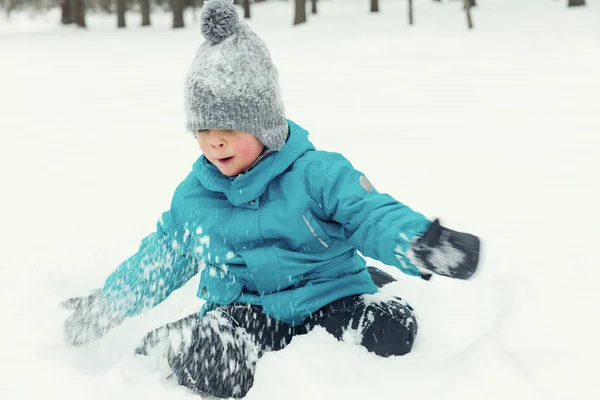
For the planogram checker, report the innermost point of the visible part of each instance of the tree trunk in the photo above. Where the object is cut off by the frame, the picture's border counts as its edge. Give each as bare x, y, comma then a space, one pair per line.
374, 5
177, 6
8, 6
66, 17
410, 12
468, 12
78, 13
313, 9
300, 12
200, 4
194, 5
121, 14
575, 3
145, 9
246, 5
105, 5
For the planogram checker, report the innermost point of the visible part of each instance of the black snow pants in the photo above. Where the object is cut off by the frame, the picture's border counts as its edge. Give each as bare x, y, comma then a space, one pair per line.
217, 355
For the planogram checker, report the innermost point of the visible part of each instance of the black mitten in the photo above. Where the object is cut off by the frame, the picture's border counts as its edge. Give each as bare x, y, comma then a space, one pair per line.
90, 320
447, 252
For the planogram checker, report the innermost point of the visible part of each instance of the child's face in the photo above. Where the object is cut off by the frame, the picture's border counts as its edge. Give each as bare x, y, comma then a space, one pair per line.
232, 152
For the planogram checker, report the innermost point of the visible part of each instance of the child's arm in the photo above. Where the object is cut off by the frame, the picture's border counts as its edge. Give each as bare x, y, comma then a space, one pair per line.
151, 275
382, 228
141, 282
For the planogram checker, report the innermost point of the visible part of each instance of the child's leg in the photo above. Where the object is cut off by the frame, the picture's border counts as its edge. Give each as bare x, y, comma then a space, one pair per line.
217, 354
385, 325
219, 357
379, 277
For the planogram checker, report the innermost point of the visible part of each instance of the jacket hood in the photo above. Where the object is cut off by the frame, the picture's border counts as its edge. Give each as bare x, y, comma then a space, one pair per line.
252, 184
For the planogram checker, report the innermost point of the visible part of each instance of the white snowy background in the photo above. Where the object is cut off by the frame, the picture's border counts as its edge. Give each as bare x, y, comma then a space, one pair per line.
496, 131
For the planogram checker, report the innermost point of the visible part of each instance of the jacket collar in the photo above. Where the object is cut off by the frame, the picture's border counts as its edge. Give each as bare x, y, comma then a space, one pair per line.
252, 184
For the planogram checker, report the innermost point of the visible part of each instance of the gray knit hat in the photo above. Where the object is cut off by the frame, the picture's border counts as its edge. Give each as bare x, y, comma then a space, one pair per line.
232, 83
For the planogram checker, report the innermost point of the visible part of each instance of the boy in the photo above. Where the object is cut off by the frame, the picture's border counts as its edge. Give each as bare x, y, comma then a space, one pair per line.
273, 227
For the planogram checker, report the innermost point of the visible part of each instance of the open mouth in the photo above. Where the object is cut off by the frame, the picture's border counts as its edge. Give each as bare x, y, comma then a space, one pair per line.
225, 160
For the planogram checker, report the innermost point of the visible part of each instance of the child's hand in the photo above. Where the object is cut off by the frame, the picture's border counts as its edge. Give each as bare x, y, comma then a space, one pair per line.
90, 320
447, 252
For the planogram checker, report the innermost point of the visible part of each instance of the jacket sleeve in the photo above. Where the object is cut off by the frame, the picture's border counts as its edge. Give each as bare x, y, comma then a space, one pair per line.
148, 277
376, 224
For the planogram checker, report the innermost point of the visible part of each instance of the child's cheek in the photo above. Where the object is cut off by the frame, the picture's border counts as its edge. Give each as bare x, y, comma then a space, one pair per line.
203, 146
249, 150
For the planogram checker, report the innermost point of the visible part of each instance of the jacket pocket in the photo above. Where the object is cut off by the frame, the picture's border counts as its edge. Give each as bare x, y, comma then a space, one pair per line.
315, 229
218, 286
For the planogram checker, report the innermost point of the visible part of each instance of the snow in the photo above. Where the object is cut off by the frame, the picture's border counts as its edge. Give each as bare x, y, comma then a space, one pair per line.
495, 130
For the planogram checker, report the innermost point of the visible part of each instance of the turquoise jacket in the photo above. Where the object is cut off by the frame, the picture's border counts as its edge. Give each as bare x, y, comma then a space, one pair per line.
283, 235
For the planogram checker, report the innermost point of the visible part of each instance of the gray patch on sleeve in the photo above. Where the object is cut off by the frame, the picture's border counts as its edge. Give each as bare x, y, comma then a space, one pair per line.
365, 183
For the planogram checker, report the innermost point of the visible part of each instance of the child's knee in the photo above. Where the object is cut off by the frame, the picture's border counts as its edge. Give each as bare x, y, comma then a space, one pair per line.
217, 360
392, 332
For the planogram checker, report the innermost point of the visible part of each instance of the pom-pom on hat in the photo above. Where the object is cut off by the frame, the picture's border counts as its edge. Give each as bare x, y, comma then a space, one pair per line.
232, 83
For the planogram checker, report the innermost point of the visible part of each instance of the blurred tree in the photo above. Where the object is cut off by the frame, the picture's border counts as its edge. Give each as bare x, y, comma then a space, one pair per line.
468, 12
374, 5
66, 12
78, 13
575, 3
194, 6
105, 5
121, 14
410, 12
145, 9
300, 12
178, 7
196, 3
246, 5
8, 7
313, 9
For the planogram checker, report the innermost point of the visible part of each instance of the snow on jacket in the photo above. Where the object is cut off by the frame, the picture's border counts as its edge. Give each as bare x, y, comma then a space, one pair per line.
283, 235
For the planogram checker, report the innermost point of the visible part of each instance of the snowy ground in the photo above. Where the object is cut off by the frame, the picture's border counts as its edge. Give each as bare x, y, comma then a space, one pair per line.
497, 131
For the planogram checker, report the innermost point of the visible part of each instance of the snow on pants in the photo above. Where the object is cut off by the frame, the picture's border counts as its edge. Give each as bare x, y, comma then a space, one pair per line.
217, 355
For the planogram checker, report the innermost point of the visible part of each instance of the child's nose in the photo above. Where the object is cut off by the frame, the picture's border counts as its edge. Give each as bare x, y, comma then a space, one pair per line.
217, 141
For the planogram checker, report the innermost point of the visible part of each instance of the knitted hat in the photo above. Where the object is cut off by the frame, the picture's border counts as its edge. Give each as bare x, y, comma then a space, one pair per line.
232, 83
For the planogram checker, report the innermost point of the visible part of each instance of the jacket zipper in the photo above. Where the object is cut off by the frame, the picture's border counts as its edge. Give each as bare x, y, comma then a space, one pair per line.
312, 230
